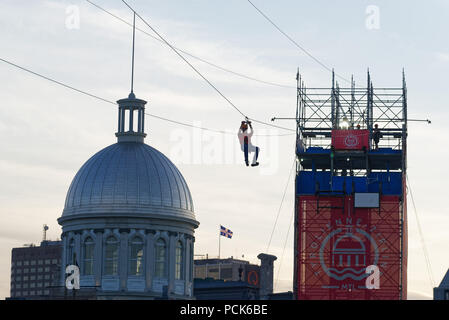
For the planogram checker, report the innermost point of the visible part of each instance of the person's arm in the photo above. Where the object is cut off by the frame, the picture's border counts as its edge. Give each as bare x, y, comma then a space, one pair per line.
251, 127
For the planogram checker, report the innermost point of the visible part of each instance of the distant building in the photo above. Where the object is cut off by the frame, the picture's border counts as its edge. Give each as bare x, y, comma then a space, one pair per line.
234, 279
442, 291
35, 269
211, 289
228, 269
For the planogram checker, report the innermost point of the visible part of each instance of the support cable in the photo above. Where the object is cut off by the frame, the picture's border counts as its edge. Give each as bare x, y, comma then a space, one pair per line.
296, 43
114, 103
421, 235
282, 201
195, 56
57, 82
283, 250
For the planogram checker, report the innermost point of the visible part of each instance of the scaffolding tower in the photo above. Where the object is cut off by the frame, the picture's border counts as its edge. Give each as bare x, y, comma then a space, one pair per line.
350, 199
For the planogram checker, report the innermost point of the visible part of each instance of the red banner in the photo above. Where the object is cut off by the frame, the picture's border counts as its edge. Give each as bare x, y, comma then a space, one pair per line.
350, 139
338, 245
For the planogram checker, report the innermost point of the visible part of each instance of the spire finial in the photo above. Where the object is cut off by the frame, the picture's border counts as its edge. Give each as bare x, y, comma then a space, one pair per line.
131, 109
132, 67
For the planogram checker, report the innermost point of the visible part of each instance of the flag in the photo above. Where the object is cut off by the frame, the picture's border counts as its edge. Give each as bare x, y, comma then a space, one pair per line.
225, 232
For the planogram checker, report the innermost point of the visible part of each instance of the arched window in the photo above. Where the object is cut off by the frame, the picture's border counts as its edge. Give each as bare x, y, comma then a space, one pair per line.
136, 257
179, 261
88, 256
71, 251
111, 256
160, 267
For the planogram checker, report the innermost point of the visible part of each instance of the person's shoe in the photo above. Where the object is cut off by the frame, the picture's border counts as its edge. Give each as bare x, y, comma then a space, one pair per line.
247, 163
255, 164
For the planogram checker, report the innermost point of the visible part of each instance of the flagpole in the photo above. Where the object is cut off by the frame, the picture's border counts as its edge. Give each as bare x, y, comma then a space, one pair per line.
219, 253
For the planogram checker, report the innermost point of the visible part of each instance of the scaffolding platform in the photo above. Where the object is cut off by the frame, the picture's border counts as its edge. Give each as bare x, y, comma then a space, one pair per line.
320, 158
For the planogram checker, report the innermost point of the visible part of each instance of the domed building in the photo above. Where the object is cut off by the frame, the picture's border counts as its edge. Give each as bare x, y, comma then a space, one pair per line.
128, 220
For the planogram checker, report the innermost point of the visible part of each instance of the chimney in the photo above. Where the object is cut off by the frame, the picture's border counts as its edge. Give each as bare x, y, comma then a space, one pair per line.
266, 275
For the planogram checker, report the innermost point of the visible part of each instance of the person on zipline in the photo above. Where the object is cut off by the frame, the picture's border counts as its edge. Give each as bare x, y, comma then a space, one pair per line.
245, 142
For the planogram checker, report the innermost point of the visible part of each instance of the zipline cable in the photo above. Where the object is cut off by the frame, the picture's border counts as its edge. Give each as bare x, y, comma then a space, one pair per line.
185, 60
199, 73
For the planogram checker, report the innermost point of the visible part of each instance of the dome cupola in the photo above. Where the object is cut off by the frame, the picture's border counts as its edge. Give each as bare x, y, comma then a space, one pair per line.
128, 219
131, 119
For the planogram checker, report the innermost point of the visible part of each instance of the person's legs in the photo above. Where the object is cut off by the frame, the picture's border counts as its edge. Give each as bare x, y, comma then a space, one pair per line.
255, 150
245, 152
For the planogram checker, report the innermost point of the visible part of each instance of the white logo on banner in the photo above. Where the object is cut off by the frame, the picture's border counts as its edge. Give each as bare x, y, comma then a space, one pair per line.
351, 140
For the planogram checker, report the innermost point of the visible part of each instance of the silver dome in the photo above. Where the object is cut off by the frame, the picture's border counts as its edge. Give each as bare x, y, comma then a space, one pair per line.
129, 178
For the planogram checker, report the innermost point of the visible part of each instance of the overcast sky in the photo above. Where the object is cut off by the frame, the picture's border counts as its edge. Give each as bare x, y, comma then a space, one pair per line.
47, 132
